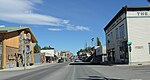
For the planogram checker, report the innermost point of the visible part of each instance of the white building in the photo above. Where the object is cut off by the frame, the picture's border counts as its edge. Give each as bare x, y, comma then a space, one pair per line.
104, 55
49, 54
130, 24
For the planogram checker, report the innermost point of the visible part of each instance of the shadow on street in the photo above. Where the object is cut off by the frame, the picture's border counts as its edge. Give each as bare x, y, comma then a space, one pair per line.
88, 63
97, 78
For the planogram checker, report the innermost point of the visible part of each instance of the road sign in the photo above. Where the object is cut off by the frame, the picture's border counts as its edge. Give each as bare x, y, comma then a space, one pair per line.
129, 43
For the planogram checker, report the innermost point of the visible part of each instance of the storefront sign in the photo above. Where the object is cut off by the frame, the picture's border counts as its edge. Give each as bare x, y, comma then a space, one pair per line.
138, 13
139, 47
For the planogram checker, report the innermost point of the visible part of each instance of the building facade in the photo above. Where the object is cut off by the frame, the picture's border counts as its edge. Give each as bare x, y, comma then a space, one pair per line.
49, 55
130, 24
11, 49
66, 55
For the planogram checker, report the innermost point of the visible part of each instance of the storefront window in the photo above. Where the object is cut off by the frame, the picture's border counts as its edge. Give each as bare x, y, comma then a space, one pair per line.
108, 39
108, 36
122, 31
111, 38
117, 36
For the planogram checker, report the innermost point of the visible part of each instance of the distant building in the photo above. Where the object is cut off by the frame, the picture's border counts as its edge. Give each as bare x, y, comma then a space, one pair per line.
104, 55
65, 55
49, 54
98, 54
12, 47
129, 25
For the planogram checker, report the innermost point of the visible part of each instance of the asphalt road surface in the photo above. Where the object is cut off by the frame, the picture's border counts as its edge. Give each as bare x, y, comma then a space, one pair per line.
64, 71
61, 71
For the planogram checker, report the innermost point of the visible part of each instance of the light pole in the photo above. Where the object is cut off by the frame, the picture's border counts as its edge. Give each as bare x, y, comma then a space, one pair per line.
129, 50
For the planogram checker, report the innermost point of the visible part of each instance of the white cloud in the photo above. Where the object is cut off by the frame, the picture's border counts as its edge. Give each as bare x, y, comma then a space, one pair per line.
77, 28
54, 29
21, 12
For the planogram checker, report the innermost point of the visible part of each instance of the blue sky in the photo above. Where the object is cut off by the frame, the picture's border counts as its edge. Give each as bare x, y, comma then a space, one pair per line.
63, 24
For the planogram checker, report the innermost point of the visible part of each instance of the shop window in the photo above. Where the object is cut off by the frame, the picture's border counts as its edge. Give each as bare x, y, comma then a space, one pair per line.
117, 36
121, 29
108, 39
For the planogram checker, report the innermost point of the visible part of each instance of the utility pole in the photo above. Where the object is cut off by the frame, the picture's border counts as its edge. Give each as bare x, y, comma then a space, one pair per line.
129, 50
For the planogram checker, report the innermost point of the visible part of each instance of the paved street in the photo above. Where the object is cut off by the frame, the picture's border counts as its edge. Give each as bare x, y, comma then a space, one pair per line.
64, 71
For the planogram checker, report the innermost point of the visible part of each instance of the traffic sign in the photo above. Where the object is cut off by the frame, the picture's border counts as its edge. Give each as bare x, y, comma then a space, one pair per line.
129, 43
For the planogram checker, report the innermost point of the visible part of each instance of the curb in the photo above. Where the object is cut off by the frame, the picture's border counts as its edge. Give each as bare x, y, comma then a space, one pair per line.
22, 68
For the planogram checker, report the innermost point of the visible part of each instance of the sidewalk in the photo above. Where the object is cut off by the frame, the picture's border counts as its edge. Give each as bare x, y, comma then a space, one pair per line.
27, 67
133, 64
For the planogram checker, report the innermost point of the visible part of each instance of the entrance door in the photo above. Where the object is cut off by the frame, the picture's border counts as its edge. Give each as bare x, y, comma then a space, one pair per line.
0, 53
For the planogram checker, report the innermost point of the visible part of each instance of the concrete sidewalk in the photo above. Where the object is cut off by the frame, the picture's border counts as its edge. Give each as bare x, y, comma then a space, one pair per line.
27, 67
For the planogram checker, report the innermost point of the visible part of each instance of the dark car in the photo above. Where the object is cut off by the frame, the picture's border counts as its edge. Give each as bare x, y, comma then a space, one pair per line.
60, 61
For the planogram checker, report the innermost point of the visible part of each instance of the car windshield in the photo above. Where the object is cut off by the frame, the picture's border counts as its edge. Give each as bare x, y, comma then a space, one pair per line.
74, 39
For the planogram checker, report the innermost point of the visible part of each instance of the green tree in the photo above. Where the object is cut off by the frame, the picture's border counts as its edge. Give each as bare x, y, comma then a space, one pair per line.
37, 48
47, 48
98, 42
88, 49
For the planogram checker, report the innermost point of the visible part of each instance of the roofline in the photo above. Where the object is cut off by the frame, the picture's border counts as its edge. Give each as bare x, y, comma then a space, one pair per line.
32, 35
21, 29
124, 10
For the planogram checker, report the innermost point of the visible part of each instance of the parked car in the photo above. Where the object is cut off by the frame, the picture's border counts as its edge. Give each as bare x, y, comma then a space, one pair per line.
60, 61
77, 60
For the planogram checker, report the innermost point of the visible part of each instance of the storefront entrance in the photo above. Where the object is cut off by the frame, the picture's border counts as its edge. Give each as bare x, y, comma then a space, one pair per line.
11, 53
